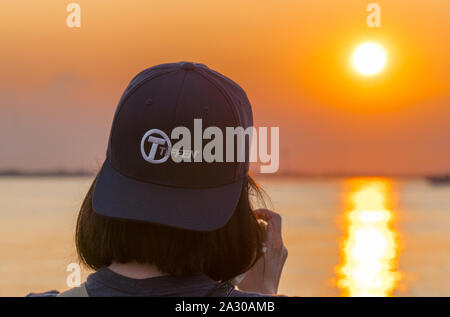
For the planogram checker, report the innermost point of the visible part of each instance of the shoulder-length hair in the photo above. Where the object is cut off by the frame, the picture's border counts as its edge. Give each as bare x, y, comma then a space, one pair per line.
221, 254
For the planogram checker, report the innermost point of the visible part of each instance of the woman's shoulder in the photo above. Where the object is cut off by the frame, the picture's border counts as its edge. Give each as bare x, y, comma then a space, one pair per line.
52, 293
238, 293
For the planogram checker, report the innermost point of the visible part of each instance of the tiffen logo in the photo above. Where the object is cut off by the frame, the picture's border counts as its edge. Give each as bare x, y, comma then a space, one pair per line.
159, 141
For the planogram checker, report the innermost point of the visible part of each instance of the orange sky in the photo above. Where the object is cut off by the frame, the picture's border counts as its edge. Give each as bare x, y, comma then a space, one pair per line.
59, 86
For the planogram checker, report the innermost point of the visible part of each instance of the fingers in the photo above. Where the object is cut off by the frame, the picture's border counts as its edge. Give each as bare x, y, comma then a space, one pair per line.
269, 216
273, 229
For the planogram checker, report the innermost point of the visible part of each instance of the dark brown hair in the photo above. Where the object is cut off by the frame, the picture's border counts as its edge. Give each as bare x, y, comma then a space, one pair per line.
221, 254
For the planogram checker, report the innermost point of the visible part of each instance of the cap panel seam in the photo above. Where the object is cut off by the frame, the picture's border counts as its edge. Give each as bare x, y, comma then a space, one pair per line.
224, 93
230, 106
177, 102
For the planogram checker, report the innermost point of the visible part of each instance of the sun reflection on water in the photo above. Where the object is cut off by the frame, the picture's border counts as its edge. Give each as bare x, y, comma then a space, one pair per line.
369, 252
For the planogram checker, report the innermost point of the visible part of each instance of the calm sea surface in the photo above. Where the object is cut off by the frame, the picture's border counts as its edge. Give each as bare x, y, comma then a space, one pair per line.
346, 237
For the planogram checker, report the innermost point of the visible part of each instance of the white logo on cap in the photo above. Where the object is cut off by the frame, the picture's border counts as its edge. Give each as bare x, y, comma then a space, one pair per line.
158, 139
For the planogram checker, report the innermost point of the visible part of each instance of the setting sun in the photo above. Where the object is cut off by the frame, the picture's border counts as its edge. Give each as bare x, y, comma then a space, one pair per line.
369, 58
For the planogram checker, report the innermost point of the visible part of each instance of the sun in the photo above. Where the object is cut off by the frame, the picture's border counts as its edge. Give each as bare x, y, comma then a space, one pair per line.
369, 58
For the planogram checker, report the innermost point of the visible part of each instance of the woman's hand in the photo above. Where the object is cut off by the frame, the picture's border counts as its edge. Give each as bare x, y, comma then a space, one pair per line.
264, 276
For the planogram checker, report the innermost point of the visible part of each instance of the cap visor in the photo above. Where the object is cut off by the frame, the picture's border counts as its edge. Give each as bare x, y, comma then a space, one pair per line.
202, 209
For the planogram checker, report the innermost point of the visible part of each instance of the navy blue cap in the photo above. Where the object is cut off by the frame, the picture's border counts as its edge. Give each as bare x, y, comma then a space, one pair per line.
139, 180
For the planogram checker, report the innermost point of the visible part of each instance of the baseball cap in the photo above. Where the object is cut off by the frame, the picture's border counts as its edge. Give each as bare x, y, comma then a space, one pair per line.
139, 180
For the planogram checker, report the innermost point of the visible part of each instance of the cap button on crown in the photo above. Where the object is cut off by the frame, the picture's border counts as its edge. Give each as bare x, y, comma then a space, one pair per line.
187, 66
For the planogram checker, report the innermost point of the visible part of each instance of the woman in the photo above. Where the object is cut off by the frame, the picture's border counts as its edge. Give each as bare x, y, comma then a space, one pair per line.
163, 219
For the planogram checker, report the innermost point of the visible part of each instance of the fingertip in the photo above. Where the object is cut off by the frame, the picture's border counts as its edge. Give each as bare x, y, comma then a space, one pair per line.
265, 214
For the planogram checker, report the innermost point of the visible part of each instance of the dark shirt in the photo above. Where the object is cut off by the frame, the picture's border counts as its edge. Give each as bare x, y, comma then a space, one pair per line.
105, 282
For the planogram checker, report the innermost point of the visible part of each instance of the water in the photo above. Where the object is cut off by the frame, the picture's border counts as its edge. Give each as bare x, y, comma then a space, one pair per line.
370, 246
408, 223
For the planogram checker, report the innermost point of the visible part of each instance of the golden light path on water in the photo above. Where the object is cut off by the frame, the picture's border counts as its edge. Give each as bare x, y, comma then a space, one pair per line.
369, 250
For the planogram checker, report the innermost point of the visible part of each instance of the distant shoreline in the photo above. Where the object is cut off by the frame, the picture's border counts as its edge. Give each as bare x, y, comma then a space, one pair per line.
293, 175
57, 173
346, 175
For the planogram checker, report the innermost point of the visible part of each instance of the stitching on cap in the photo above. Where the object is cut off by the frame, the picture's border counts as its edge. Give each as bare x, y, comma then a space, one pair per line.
173, 186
